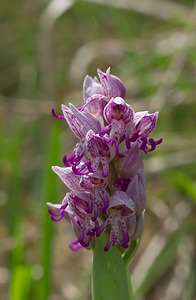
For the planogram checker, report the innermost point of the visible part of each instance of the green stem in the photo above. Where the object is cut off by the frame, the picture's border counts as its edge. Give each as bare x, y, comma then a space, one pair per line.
110, 277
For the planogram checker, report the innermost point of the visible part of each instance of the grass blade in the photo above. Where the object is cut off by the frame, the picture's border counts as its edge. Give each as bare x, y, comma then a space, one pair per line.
21, 283
49, 194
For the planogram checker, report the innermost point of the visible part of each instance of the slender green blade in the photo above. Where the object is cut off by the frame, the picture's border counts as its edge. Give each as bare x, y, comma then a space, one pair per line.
49, 194
13, 149
184, 184
18, 252
14, 155
110, 279
190, 289
21, 283
128, 255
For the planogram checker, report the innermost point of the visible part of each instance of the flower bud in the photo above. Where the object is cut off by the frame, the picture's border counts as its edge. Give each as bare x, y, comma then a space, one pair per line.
117, 109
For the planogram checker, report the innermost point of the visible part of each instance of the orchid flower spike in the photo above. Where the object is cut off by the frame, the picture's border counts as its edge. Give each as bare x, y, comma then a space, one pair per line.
105, 172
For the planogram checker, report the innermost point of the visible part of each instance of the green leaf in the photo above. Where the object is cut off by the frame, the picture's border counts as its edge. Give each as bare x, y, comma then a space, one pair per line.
110, 277
21, 283
14, 156
184, 184
190, 289
128, 255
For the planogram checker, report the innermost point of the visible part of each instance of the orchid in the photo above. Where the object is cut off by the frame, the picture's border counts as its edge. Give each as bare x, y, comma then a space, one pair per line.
105, 172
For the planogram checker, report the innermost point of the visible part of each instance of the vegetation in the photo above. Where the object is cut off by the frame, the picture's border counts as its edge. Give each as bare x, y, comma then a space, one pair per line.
45, 51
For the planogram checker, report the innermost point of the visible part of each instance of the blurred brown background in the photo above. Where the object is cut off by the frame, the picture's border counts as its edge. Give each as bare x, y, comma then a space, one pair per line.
46, 48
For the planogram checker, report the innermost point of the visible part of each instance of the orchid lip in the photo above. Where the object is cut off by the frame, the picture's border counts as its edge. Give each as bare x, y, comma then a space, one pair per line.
151, 142
75, 246
105, 130
107, 246
56, 219
91, 232
143, 145
55, 115
124, 245
58, 216
134, 137
73, 160
85, 245
115, 143
105, 205
78, 171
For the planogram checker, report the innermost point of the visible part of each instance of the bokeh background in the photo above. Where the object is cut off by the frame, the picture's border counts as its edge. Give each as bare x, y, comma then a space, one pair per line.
46, 48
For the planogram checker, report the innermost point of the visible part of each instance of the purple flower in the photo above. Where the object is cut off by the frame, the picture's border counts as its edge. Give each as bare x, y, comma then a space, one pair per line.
99, 151
96, 186
91, 87
109, 85
136, 191
57, 211
76, 155
95, 105
117, 109
80, 122
69, 178
104, 172
79, 209
131, 162
147, 124
121, 206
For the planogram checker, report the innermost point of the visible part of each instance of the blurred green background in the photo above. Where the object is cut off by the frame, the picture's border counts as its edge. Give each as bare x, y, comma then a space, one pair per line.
46, 48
